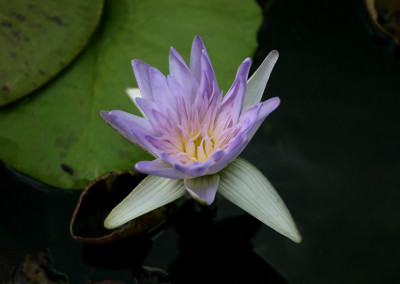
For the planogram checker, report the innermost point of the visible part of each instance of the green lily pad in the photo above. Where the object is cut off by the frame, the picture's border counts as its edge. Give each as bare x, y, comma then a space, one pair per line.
38, 39
57, 135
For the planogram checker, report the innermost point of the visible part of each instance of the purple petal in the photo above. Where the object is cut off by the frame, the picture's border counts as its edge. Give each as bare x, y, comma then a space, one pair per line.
233, 100
142, 74
251, 120
206, 68
175, 88
230, 154
182, 74
132, 127
266, 108
147, 107
195, 57
203, 188
160, 168
242, 73
197, 169
160, 89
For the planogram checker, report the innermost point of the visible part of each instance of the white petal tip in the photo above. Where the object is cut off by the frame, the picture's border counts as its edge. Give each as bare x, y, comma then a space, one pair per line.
274, 53
294, 234
133, 93
297, 239
108, 224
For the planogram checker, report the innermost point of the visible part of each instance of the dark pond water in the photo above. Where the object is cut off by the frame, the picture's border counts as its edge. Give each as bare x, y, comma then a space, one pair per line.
331, 150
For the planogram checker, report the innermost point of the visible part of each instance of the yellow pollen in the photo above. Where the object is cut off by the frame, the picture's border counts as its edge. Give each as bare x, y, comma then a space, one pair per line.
199, 148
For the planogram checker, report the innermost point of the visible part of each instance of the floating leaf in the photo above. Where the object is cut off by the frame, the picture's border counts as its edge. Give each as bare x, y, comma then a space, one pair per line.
38, 39
57, 136
100, 197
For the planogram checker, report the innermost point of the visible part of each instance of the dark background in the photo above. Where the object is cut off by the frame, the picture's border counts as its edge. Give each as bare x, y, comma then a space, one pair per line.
331, 150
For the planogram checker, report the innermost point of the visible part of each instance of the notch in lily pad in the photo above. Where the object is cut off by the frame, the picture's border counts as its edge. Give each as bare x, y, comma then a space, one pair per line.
97, 200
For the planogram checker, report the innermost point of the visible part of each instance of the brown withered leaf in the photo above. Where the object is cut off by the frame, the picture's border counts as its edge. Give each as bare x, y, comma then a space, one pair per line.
386, 17
100, 197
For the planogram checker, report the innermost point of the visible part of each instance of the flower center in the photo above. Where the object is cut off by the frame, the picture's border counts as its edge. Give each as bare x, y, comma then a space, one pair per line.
199, 147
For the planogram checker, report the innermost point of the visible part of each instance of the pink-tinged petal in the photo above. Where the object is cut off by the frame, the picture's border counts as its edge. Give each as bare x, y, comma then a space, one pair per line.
160, 168
203, 189
132, 127
182, 74
230, 154
197, 169
142, 74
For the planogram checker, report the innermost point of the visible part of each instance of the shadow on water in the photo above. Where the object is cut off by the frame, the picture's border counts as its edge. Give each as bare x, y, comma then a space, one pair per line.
36, 216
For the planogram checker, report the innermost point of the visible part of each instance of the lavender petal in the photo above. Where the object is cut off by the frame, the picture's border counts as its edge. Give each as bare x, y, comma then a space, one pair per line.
132, 127
142, 74
182, 74
160, 168
203, 189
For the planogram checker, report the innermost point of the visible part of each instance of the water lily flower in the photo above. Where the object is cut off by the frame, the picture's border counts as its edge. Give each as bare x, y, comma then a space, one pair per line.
196, 134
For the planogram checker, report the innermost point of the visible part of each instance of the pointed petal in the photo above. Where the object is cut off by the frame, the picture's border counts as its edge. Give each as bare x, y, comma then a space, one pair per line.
142, 75
132, 127
134, 93
159, 87
160, 168
152, 193
147, 107
258, 81
207, 68
182, 74
244, 185
241, 74
266, 108
203, 189
195, 56
233, 101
